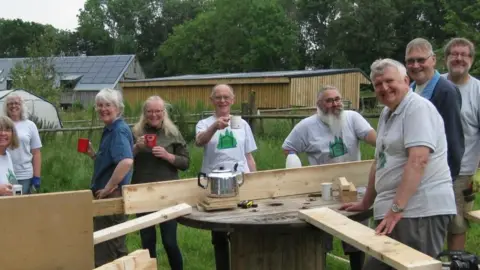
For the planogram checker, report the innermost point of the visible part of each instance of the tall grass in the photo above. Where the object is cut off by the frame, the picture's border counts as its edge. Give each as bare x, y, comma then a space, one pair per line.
64, 169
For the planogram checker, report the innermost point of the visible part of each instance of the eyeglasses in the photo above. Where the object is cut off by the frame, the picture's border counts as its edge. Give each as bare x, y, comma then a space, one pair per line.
10, 104
333, 100
5, 130
420, 60
152, 112
219, 98
457, 55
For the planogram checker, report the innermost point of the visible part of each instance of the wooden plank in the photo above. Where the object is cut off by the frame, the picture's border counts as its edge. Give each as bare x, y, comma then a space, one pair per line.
473, 216
342, 183
383, 248
107, 207
137, 260
141, 222
47, 231
154, 196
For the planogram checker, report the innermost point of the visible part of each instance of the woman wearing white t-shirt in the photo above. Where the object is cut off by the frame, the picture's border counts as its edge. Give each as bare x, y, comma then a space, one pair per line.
27, 157
8, 139
224, 147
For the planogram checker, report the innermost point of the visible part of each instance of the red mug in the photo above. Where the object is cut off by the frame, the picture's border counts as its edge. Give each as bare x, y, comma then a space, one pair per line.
82, 145
151, 140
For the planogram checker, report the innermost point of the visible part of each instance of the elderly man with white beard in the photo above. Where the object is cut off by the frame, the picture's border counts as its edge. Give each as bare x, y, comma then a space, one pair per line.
331, 136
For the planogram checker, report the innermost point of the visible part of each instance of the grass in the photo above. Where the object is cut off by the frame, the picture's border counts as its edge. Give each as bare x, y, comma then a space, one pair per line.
64, 169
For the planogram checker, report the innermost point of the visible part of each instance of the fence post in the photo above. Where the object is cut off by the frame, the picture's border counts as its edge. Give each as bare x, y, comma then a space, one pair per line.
252, 109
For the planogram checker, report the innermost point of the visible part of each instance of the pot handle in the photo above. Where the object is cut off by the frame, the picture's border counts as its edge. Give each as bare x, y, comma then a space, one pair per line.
240, 182
202, 175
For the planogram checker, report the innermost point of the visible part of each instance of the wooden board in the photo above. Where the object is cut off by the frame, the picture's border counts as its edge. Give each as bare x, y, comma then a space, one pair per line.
151, 197
474, 216
107, 207
141, 222
137, 260
384, 248
47, 231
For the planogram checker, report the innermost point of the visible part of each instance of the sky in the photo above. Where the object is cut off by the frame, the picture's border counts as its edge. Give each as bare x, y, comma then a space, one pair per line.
61, 14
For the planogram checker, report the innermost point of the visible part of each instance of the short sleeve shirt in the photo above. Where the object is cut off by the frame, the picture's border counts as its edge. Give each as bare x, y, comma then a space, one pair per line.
315, 138
116, 144
29, 139
227, 146
415, 122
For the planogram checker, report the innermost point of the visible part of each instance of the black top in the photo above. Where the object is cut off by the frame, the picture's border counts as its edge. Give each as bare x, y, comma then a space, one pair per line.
148, 168
448, 101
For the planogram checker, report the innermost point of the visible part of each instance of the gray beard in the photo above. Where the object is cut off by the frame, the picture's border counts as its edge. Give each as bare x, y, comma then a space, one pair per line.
334, 122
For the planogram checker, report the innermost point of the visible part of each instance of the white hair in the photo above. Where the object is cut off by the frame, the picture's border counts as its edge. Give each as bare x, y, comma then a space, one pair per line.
111, 96
378, 67
214, 89
421, 44
23, 106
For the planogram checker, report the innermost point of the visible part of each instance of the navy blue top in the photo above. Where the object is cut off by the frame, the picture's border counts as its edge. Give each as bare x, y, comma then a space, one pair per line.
116, 144
447, 99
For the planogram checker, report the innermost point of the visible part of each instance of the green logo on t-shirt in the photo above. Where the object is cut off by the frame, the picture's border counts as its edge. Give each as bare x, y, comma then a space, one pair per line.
227, 140
11, 177
382, 158
337, 147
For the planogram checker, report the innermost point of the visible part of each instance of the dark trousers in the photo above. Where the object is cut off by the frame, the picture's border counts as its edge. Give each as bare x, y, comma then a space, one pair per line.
110, 250
113, 249
168, 231
221, 247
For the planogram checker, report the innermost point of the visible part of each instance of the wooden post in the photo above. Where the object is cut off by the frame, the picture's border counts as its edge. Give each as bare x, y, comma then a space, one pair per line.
252, 109
290, 249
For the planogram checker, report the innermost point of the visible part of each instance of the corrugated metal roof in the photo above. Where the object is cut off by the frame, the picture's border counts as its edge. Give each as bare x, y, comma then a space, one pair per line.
289, 74
94, 70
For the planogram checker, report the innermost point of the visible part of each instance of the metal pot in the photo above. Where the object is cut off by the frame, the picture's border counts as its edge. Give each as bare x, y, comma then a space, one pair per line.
222, 182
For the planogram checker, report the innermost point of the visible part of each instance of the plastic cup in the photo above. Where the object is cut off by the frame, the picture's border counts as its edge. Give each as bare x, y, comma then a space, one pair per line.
236, 122
82, 145
327, 191
151, 140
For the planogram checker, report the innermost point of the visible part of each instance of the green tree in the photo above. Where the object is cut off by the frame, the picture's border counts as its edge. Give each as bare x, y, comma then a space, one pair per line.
37, 72
233, 36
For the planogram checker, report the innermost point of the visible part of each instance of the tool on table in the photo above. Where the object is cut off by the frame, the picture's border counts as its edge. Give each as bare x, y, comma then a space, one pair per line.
247, 204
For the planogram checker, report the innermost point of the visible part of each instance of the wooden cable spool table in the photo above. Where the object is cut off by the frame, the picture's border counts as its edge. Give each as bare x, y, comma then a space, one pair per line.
271, 236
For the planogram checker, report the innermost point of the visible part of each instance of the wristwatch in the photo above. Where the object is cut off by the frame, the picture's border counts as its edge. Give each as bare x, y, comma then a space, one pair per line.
396, 208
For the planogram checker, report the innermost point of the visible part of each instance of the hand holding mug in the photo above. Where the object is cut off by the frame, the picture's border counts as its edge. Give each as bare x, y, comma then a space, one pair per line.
141, 142
6, 189
222, 122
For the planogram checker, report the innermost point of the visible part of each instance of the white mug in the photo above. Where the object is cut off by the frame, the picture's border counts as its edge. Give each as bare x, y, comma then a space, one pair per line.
236, 122
17, 190
327, 191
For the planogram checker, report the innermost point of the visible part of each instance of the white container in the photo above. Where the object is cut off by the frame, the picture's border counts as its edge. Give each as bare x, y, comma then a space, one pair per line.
17, 190
293, 161
236, 122
327, 191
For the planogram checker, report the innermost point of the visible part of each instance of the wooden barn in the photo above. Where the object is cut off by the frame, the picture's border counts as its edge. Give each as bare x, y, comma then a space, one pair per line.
273, 90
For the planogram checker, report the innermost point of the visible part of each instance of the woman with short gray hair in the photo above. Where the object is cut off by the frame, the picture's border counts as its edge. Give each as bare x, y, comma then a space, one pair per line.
112, 169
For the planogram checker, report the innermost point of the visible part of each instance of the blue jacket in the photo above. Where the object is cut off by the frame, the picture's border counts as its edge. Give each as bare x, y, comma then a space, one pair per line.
448, 101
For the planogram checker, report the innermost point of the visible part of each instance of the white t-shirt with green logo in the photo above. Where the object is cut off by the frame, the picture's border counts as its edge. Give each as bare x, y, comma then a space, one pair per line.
227, 146
313, 137
6, 170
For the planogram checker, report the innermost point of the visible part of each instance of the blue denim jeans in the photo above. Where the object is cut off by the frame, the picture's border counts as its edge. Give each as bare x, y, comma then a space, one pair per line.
26, 184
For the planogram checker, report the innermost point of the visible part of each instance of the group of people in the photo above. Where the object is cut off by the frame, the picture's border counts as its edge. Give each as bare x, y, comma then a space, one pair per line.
124, 157
20, 148
427, 149
420, 185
